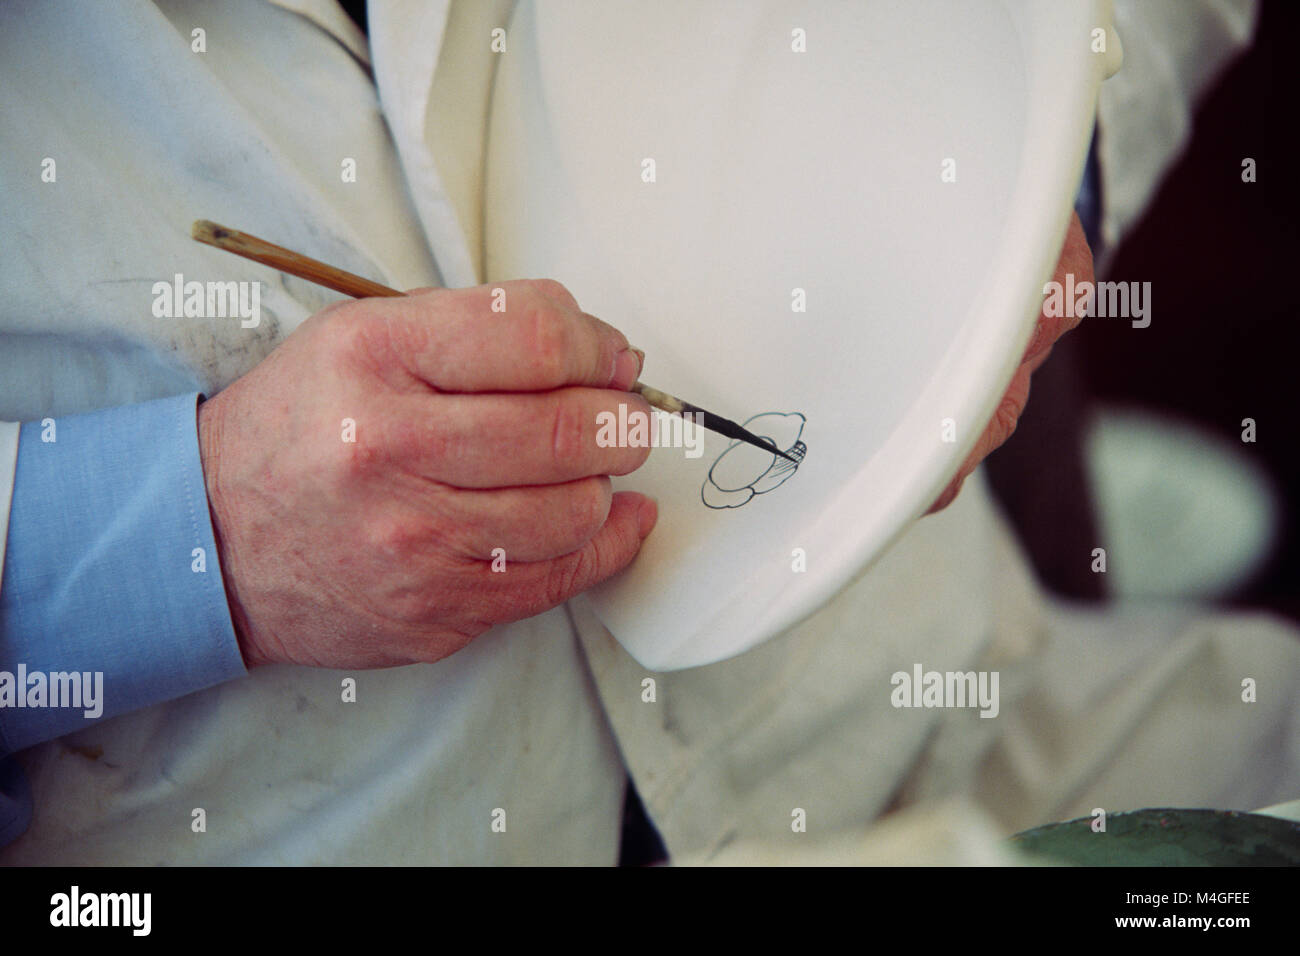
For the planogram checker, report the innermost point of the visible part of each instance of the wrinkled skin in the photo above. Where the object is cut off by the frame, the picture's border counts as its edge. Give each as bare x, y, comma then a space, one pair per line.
474, 431
1076, 258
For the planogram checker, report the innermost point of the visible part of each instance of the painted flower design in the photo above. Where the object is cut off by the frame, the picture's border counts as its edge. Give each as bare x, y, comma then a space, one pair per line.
743, 471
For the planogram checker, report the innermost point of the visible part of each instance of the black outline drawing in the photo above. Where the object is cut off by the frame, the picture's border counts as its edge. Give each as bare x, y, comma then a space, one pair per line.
749, 471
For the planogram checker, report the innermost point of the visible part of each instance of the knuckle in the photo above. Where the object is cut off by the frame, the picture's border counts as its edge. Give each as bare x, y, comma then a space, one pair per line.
362, 460
549, 340
355, 333
556, 290
388, 536
589, 508
568, 434
363, 343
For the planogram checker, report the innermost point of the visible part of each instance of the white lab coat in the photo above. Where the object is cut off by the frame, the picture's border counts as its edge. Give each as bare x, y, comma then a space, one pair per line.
537, 719
253, 133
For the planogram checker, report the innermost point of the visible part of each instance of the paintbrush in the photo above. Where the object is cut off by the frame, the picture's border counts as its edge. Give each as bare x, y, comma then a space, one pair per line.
286, 260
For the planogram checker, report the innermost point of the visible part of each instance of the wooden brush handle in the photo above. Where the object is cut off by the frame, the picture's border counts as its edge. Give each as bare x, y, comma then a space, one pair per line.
286, 260
313, 270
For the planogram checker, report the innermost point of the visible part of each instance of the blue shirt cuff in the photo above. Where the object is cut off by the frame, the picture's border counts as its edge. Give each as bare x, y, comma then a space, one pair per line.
110, 572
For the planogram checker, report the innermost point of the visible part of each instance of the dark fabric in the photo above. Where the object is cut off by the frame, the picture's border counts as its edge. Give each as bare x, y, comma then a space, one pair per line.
356, 9
640, 844
15, 801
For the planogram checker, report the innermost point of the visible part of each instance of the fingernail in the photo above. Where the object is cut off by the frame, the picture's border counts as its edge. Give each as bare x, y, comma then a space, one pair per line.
647, 516
627, 367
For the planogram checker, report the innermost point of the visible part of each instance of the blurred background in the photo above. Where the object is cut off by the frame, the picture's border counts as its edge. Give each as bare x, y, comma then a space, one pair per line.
1132, 439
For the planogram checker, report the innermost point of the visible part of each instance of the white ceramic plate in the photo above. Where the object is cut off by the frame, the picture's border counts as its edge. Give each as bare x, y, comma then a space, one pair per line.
777, 170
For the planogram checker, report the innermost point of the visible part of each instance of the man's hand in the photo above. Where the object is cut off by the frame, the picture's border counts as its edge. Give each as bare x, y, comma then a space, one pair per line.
1076, 257
473, 431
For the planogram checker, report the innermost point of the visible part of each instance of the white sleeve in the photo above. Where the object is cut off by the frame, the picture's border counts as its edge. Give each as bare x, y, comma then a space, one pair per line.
1173, 50
8, 461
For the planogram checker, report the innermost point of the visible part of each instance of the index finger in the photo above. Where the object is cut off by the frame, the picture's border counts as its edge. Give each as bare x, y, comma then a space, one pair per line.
519, 336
